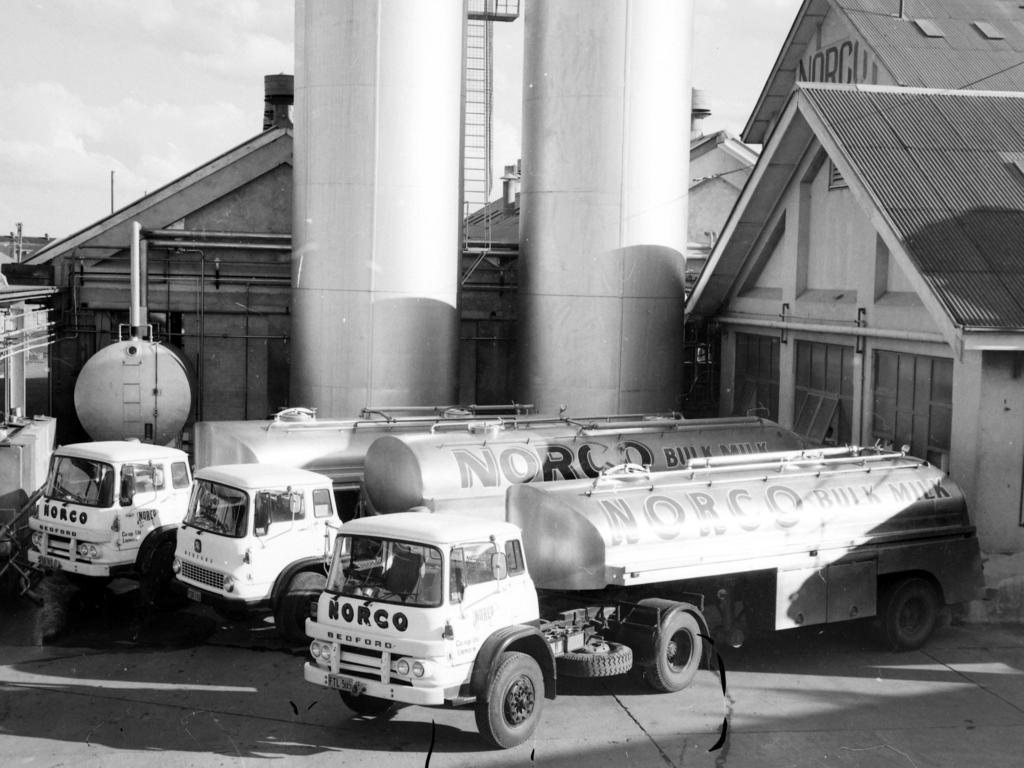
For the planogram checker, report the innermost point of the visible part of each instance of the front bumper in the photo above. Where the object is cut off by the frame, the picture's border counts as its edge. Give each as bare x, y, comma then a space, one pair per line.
405, 694
100, 570
221, 602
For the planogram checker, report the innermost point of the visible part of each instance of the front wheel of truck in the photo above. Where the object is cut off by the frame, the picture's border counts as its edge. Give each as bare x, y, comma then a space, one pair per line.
156, 581
509, 712
293, 607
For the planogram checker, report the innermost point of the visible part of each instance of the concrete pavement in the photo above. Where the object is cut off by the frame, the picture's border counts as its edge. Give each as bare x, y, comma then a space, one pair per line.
190, 689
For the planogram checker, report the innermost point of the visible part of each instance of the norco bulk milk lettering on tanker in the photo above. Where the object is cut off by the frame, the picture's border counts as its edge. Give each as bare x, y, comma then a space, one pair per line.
496, 467
780, 507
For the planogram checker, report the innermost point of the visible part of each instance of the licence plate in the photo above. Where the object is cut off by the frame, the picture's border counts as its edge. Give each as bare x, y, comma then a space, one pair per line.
346, 684
194, 594
51, 563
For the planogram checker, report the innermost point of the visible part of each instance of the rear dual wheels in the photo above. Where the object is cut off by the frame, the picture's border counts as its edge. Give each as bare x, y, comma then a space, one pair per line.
909, 613
508, 715
678, 649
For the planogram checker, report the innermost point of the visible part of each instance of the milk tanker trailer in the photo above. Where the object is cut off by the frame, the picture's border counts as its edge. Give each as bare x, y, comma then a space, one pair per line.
635, 570
470, 469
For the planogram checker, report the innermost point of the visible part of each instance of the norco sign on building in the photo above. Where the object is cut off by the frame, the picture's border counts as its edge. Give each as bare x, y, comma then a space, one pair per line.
842, 62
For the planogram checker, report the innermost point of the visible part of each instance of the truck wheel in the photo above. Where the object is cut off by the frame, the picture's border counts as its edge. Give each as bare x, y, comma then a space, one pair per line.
909, 610
507, 715
156, 581
293, 607
676, 655
608, 660
366, 705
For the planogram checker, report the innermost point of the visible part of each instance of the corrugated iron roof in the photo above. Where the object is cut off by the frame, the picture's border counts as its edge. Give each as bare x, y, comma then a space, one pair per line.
963, 57
941, 166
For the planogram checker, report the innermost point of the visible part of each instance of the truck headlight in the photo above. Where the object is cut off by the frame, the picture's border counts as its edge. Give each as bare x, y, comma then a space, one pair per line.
37, 540
176, 565
417, 669
402, 667
321, 652
88, 551
229, 583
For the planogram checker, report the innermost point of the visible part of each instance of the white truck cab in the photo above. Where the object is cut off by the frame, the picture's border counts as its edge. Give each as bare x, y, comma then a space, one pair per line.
112, 508
256, 537
409, 604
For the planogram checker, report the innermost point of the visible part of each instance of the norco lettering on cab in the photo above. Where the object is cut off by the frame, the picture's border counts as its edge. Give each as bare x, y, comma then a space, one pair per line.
361, 615
65, 515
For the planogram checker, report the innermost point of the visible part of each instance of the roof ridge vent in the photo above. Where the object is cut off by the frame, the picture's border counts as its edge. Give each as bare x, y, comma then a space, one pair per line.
989, 30
929, 28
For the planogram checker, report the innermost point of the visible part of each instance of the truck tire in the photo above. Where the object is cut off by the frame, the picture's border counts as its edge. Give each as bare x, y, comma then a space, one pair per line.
614, 659
156, 580
368, 706
509, 712
293, 607
909, 611
678, 650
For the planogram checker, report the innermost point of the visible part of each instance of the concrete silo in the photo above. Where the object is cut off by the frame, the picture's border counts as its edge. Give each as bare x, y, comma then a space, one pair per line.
606, 128
378, 91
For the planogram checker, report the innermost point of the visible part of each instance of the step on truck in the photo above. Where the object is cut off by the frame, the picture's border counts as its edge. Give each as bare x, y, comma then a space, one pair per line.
632, 571
112, 508
256, 538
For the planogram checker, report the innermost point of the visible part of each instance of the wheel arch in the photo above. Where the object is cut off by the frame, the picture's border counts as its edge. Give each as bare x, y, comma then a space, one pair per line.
284, 578
518, 637
888, 580
153, 539
670, 607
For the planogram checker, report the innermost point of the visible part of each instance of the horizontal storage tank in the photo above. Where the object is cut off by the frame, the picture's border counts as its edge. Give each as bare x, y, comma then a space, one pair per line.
469, 471
641, 529
135, 389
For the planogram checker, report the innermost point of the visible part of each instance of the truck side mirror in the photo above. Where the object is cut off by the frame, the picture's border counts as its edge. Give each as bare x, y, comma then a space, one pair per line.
499, 566
127, 491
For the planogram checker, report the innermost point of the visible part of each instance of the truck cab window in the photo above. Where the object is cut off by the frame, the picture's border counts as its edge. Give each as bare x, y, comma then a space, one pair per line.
148, 478
471, 564
81, 481
218, 508
321, 502
179, 475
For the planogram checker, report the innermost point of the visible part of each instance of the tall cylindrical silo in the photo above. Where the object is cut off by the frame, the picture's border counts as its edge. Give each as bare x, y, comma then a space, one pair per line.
606, 127
377, 157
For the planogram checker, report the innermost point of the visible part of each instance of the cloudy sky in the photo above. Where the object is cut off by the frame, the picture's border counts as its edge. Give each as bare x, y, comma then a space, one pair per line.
150, 89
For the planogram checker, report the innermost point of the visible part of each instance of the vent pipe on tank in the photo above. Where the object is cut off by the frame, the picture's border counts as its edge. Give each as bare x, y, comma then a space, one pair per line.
138, 318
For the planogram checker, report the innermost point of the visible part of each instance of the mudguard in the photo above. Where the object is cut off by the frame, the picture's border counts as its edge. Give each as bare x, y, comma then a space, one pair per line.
518, 637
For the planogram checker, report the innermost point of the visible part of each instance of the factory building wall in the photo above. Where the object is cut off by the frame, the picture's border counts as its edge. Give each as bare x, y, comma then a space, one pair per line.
819, 259
226, 309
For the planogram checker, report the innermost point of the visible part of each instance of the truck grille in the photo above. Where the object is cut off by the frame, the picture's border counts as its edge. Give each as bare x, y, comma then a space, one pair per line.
58, 546
366, 664
201, 575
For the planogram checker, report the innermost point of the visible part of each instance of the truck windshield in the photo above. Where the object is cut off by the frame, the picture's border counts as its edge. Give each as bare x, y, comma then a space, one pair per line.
81, 481
218, 508
386, 570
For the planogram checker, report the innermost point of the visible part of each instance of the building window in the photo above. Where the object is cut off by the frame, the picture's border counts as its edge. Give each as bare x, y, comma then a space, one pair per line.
824, 393
757, 376
913, 404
